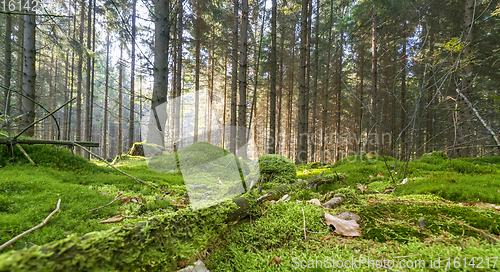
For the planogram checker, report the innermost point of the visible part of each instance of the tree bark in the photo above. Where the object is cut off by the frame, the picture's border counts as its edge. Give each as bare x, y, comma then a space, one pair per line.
131, 130
301, 153
315, 88
198, 37
373, 101
242, 105
180, 44
88, 126
29, 70
8, 63
120, 99
234, 79
327, 85
106, 91
160, 71
274, 67
80, 80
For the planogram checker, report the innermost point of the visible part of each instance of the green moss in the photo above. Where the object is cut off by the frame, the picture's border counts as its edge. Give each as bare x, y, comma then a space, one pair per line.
350, 196
282, 169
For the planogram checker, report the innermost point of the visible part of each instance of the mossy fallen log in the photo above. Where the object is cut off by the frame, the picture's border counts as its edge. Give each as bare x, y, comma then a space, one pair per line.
163, 243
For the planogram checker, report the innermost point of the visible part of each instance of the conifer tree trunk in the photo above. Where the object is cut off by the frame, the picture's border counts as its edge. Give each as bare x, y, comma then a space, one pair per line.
8, 63
274, 67
66, 76
327, 86
280, 90
403, 94
131, 128
180, 42
80, 80
290, 75
338, 89
106, 88
361, 76
315, 88
242, 120
88, 126
162, 37
197, 72
120, 100
234, 79
20, 59
51, 95
301, 152
373, 102
29, 70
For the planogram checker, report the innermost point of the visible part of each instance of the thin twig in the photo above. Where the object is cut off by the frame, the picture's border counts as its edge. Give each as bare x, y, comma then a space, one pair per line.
32, 229
304, 217
136, 179
470, 227
248, 243
390, 174
340, 178
117, 197
261, 184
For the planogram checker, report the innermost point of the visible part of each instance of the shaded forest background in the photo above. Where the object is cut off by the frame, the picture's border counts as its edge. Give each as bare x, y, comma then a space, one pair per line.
379, 76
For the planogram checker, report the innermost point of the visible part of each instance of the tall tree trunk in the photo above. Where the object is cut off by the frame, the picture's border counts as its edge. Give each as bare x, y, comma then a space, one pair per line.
80, 79
327, 85
211, 75
131, 128
29, 70
403, 94
315, 88
197, 71
160, 71
234, 79
280, 90
106, 88
120, 99
338, 89
8, 63
242, 105
373, 101
88, 127
468, 70
180, 42
51, 95
301, 152
291, 78
20, 59
93, 74
66, 76
274, 67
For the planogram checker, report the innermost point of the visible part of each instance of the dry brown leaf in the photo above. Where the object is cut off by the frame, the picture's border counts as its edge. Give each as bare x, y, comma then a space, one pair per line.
276, 259
314, 201
388, 190
370, 155
380, 175
114, 219
118, 195
343, 227
127, 199
104, 193
362, 188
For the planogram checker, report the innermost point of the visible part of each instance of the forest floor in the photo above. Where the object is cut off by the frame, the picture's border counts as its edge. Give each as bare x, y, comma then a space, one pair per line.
398, 222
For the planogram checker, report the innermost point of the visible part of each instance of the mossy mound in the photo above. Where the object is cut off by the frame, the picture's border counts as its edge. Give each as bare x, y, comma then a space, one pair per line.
281, 168
47, 155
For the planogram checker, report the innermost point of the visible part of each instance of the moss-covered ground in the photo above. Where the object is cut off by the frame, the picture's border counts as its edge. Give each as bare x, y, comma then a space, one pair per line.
272, 238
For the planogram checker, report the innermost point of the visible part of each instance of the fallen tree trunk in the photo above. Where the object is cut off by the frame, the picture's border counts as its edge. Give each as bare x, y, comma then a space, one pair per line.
165, 242
51, 142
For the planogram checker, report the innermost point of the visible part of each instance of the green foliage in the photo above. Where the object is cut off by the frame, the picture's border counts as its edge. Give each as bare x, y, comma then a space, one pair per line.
282, 169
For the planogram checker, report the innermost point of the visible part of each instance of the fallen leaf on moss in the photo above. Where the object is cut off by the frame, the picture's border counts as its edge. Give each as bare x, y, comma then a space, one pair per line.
362, 188
343, 227
114, 219
380, 175
388, 190
276, 259
314, 201
126, 199
370, 155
